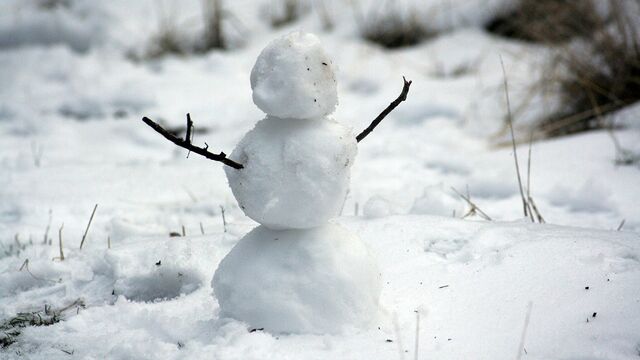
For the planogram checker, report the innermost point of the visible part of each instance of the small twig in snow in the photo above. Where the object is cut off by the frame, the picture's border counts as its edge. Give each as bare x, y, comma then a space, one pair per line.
385, 112
621, 224
84, 236
224, 219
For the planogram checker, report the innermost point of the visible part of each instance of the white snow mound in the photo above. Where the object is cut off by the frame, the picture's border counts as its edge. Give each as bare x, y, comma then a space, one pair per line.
321, 280
296, 172
293, 78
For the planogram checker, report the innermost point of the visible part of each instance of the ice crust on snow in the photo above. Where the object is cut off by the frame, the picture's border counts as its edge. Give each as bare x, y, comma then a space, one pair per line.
296, 172
293, 78
320, 280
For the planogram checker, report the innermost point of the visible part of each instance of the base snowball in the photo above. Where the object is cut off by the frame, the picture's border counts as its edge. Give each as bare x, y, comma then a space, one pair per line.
317, 280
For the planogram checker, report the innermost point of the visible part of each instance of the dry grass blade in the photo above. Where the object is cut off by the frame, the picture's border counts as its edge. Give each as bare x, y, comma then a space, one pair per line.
535, 210
46, 230
11, 328
61, 258
525, 205
474, 208
84, 236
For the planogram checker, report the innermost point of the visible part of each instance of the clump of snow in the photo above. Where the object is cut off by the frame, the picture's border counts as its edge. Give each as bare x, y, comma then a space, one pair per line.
436, 201
294, 78
296, 172
319, 280
377, 207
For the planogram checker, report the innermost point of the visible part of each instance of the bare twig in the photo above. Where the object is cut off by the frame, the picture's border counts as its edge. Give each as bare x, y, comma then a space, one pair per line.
513, 141
84, 236
621, 224
188, 137
385, 112
186, 143
474, 207
201, 228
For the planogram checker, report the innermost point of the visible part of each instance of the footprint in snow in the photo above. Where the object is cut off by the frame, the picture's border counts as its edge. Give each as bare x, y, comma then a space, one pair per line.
164, 283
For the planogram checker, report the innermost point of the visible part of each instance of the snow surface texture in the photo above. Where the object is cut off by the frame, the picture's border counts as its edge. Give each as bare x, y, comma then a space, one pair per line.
319, 280
296, 172
293, 78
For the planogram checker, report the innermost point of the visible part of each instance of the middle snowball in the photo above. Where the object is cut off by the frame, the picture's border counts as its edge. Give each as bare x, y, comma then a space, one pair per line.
296, 172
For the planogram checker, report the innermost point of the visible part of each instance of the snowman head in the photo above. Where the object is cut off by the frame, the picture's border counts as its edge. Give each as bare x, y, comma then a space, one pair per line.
293, 78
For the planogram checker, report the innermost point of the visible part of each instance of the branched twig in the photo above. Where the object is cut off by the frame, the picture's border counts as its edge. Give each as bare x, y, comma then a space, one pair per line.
474, 207
385, 112
84, 236
186, 143
513, 141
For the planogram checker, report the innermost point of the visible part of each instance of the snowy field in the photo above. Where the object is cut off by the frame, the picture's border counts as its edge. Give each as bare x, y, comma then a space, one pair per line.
72, 97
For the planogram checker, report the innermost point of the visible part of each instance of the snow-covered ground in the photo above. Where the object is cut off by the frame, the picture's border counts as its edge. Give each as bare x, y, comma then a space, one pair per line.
71, 100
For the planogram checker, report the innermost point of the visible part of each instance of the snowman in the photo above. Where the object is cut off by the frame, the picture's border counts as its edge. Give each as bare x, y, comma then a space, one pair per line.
297, 272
